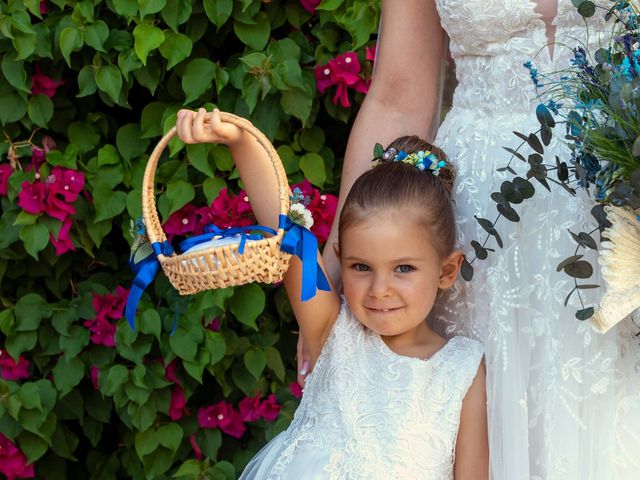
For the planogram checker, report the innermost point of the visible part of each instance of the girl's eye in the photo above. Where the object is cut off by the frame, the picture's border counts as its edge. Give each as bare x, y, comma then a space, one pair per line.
360, 267
404, 268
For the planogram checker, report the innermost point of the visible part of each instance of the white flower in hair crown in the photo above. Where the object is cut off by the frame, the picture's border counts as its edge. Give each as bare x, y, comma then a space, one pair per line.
422, 159
298, 212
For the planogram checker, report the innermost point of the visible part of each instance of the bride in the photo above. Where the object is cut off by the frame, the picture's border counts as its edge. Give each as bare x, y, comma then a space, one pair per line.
563, 399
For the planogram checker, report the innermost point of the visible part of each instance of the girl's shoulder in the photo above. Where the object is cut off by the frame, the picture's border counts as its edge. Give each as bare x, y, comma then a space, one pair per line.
462, 354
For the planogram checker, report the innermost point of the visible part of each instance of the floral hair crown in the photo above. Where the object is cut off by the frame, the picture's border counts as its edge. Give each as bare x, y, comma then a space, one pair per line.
422, 159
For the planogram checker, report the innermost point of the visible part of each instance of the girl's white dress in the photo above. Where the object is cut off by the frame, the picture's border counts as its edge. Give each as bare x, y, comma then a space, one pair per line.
369, 413
564, 400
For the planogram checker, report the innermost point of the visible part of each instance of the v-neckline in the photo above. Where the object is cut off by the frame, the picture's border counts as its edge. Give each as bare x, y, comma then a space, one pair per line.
550, 28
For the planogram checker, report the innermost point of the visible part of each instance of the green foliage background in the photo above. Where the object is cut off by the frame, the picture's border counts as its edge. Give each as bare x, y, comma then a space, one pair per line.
128, 66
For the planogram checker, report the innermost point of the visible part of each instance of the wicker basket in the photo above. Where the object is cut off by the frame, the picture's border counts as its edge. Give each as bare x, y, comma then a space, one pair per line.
220, 266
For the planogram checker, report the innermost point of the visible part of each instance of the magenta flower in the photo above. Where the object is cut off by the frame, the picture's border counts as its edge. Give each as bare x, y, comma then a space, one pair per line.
310, 5
196, 449
222, 415
343, 72
94, 377
250, 408
5, 172
44, 8
178, 403
269, 409
103, 331
41, 83
38, 157
227, 210
13, 463
32, 197
64, 186
170, 371
111, 305
295, 389
12, 370
182, 222
322, 207
63, 243
214, 326
370, 52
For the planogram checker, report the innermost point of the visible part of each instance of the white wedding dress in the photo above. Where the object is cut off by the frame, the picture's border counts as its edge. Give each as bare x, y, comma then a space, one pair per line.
563, 399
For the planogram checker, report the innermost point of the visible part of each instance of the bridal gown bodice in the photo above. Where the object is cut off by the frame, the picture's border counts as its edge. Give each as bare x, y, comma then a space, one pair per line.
562, 398
370, 414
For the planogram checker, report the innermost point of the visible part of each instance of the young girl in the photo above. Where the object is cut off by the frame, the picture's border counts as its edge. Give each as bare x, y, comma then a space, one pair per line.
388, 398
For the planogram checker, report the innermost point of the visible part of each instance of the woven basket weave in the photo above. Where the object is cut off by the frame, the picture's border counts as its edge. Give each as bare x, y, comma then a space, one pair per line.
222, 266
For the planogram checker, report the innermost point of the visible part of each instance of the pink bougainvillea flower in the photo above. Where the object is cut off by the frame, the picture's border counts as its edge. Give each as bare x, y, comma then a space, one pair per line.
32, 197
41, 83
182, 221
310, 5
270, 409
12, 370
222, 415
111, 305
214, 326
63, 187
227, 210
94, 377
178, 403
13, 463
44, 7
370, 52
63, 243
170, 371
196, 449
250, 408
343, 72
322, 207
38, 157
103, 331
295, 389
5, 172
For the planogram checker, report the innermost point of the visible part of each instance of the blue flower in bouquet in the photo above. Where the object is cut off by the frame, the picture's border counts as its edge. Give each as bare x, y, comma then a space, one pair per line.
533, 72
630, 65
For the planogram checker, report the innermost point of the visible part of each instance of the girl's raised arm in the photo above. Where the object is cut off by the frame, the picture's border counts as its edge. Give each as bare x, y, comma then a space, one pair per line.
315, 316
403, 96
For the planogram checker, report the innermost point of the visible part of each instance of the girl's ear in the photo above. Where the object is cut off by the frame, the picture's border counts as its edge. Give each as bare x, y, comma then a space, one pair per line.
450, 268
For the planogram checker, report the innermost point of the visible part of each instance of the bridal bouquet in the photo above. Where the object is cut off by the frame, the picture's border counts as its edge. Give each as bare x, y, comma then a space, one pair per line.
597, 103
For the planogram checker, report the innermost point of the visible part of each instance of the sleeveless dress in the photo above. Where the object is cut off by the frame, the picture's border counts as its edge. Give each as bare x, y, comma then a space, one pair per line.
563, 399
369, 413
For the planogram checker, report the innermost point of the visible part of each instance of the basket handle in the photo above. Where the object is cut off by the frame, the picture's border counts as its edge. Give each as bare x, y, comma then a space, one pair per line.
149, 209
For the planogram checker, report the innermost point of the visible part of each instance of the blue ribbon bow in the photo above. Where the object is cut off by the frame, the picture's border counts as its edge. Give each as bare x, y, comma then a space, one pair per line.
145, 271
212, 231
300, 242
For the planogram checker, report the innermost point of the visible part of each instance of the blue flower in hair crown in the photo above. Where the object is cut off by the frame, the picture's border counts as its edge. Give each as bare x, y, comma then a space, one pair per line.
422, 159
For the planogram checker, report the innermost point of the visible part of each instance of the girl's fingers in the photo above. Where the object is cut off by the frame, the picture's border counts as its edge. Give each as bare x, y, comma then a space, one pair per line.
184, 125
198, 128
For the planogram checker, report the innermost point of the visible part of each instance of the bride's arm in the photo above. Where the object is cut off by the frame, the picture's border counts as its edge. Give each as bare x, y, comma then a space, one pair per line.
403, 96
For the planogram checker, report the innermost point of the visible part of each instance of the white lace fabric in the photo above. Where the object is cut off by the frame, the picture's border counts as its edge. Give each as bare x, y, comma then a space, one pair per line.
563, 399
369, 413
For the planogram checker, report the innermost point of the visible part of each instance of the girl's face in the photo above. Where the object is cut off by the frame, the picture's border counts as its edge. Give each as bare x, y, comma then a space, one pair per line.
391, 274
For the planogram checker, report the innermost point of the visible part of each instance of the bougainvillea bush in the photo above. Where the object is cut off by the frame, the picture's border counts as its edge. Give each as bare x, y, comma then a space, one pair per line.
86, 89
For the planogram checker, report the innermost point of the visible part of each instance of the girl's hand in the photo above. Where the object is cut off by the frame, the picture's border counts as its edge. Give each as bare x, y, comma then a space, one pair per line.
192, 128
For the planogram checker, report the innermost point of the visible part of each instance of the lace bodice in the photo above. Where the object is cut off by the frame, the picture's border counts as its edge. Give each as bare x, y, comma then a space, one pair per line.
491, 39
374, 414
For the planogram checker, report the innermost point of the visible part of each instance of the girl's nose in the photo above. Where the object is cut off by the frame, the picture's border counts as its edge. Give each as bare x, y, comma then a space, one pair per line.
380, 286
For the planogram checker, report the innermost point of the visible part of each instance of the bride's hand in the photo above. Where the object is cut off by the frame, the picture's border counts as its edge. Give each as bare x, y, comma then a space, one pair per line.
303, 360
192, 127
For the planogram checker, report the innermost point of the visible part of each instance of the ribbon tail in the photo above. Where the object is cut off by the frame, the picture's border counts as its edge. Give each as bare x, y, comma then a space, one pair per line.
148, 270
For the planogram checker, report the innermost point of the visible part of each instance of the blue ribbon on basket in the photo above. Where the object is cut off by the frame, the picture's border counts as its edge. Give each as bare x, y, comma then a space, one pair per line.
299, 241
145, 270
211, 231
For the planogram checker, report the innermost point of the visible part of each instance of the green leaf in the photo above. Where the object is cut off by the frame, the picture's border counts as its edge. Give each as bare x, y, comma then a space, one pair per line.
29, 311
587, 9
67, 374
86, 81
126, 8
329, 5
25, 218
150, 323
24, 44
14, 107
35, 238
247, 303
175, 48
209, 440
254, 35
128, 62
170, 435
21, 21
111, 203
176, 12
7, 320
32, 446
224, 471
98, 231
147, 38
83, 135
185, 343
40, 109
130, 142
64, 442
109, 80
146, 442
96, 34
77, 339
71, 40
108, 155
312, 165
190, 469
274, 362
212, 187
585, 313
312, 139
21, 342
297, 102
116, 378
197, 78
218, 11
14, 71
148, 7
215, 346
179, 193
198, 155
150, 121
